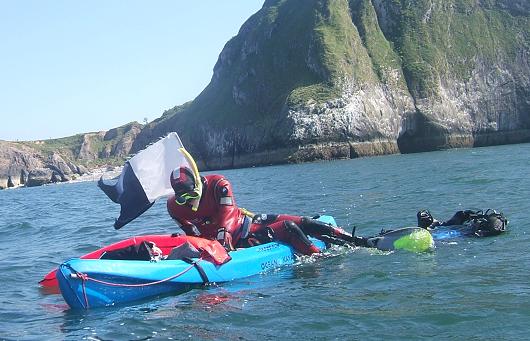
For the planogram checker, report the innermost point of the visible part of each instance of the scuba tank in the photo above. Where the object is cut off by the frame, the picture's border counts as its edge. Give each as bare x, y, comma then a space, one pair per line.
414, 239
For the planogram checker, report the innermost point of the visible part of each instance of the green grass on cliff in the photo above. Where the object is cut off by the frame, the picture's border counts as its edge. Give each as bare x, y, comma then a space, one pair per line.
289, 53
430, 40
440, 38
69, 147
386, 62
340, 53
65, 145
312, 94
259, 68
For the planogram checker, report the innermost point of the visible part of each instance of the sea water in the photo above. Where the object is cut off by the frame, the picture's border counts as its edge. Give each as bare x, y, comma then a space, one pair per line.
465, 289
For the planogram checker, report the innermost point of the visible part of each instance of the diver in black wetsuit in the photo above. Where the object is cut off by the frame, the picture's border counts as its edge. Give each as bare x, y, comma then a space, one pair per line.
473, 223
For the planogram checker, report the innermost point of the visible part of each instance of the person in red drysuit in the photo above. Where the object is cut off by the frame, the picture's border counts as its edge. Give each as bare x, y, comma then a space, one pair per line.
218, 217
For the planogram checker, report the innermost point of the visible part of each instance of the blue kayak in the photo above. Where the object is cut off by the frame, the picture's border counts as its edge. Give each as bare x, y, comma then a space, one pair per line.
90, 283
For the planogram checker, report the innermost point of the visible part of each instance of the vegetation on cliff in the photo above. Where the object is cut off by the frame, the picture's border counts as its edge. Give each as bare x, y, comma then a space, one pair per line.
91, 149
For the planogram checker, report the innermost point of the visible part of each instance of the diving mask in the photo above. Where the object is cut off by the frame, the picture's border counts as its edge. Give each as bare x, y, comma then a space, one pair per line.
183, 198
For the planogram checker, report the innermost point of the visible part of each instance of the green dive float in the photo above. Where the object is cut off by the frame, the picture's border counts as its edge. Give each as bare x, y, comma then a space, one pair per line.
414, 239
107, 278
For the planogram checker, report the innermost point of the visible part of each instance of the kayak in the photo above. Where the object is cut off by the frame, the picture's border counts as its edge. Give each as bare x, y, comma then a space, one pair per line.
91, 281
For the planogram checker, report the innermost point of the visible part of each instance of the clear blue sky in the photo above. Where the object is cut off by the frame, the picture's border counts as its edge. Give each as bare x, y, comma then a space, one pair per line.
69, 67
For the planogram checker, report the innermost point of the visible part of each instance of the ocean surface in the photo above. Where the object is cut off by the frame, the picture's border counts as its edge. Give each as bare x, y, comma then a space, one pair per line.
466, 289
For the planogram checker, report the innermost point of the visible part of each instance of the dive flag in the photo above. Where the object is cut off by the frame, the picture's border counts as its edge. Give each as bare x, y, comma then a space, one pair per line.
145, 178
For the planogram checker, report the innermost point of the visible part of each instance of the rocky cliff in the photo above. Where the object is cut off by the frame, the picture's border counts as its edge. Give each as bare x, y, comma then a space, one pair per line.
322, 79
35, 163
318, 79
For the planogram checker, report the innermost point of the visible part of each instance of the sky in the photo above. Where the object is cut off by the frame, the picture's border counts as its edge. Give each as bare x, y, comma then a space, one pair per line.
70, 67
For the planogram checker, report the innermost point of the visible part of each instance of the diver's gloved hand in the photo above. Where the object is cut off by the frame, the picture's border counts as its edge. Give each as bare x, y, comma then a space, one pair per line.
434, 225
225, 238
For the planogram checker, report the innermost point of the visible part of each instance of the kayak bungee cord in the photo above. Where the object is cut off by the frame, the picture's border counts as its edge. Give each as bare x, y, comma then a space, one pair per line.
85, 278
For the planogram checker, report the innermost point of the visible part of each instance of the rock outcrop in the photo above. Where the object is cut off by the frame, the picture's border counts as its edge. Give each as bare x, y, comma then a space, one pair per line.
41, 176
40, 162
124, 140
15, 160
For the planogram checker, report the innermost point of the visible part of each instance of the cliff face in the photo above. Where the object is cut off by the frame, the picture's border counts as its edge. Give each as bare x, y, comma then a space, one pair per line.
322, 79
39, 162
314, 79
466, 66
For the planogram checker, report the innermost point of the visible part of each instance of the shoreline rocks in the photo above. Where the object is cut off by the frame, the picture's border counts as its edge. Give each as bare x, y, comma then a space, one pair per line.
353, 149
34, 163
297, 154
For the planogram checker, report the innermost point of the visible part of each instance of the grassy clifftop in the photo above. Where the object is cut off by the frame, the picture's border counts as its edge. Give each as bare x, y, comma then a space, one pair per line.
90, 149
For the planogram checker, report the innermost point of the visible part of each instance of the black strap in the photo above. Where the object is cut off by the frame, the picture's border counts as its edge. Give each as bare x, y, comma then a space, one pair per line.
199, 268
